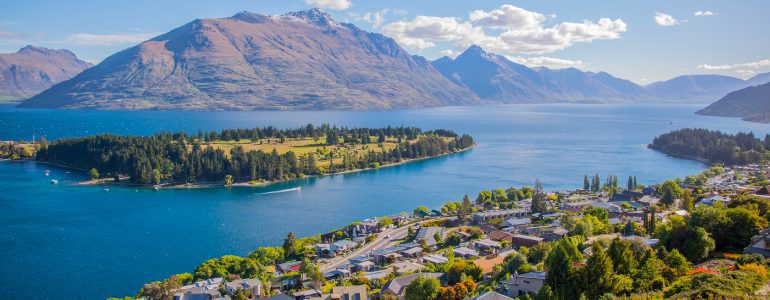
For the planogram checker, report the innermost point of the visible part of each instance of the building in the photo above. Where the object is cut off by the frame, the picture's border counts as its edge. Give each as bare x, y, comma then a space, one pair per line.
488, 263
517, 224
407, 267
435, 259
396, 288
550, 234
465, 252
428, 234
522, 284
253, 286
574, 206
491, 295
487, 246
291, 266
647, 241
486, 216
342, 246
500, 236
518, 240
307, 294
201, 290
710, 201
760, 244
351, 292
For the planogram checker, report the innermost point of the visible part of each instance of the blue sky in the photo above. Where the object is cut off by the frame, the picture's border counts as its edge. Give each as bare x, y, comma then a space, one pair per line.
643, 41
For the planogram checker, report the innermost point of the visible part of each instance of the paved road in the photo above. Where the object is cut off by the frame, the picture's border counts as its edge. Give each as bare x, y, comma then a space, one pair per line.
381, 242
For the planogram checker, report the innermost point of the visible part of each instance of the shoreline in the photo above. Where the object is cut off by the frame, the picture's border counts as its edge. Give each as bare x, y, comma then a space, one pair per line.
215, 184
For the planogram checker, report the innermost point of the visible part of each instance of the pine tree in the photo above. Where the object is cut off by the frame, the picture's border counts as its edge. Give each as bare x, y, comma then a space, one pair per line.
630, 183
586, 185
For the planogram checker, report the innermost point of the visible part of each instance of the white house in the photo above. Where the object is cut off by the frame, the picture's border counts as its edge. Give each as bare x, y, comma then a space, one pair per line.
522, 284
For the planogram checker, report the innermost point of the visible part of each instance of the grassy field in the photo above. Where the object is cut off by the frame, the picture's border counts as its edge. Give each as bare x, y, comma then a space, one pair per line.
323, 153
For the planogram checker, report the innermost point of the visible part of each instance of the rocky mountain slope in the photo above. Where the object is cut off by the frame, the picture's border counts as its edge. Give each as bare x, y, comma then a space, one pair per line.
34, 69
751, 104
300, 60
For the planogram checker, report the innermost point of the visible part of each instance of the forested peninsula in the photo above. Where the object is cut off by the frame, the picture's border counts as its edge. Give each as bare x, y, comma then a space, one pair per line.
246, 156
713, 147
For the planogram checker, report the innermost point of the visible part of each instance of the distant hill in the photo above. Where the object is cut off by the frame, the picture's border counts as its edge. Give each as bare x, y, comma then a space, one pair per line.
495, 78
299, 60
751, 104
701, 88
34, 69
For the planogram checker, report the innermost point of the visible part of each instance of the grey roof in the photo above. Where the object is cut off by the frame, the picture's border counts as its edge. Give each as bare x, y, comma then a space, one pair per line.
344, 243
491, 295
306, 293
518, 221
465, 251
398, 285
280, 297
435, 258
413, 250
428, 233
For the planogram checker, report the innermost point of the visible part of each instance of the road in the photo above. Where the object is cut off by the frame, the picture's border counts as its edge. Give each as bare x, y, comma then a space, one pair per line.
382, 241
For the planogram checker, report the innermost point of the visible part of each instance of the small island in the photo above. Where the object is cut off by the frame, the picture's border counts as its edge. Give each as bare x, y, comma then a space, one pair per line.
244, 157
713, 147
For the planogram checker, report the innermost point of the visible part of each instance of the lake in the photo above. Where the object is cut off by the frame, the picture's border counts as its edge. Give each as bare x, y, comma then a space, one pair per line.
66, 241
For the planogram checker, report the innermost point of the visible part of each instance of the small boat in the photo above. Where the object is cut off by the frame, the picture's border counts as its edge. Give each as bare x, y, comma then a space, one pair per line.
156, 187
47, 172
54, 181
106, 190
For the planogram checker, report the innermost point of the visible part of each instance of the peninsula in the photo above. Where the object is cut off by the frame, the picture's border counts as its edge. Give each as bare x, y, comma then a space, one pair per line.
245, 157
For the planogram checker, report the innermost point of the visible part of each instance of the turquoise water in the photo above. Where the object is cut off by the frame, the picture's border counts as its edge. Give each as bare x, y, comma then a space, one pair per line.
68, 241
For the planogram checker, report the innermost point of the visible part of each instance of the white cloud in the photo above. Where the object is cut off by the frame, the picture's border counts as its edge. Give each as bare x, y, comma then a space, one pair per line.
377, 17
704, 13
665, 19
743, 66
520, 31
107, 39
548, 62
330, 4
448, 52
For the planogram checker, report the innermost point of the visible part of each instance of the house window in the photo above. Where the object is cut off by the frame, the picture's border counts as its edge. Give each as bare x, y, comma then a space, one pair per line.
526, 281
522, 293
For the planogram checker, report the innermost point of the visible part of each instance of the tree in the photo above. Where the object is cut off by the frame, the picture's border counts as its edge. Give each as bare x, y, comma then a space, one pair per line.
669, 191
421, 211
423, 288
561, 273
586, 185
157, 176
597, 274
289, 245
385, 222
465, 208
228, 180
516, 263
622, 257
698, 245
630, 183
94, 174
687, 200
649, 272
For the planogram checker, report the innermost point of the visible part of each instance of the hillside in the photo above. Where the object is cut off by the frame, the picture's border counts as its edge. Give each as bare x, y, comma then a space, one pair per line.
696, 88
34, 69
494, 77
751, 104
299, 60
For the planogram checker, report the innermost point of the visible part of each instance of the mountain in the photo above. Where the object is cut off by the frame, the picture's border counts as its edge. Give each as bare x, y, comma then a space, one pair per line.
698, 88
299, 60
34, 69
759, 79
494, 77
751, 104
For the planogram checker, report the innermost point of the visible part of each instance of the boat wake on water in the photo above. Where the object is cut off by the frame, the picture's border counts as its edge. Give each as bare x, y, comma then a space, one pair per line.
296, 189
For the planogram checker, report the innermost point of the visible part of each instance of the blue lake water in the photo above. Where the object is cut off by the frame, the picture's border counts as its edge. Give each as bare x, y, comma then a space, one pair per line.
66, 241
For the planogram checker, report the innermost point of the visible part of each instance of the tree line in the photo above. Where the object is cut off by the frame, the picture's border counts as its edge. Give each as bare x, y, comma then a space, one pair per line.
713, 146
183, 158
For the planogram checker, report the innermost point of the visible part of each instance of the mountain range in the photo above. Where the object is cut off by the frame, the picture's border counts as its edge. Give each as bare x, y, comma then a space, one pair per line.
751, 104
307, 61
495, 78
32, 69
299, 60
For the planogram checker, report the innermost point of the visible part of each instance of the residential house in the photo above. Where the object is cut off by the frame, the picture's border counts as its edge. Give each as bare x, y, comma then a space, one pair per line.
253, 286
500, 236
516, 224
428, 234
647, 241
574, 206
609, 206
201, 290
764, 192
307, 294
465, 252
488, 263
760, 244
350, 292
279, 297
342, 246
435, 259
486, 216
518, 240
396, 288
291, 266
521, 284
648, 200
414, 252
404, 267
387, 255
550, 234
710, 201
487, 246
364, 266
491, 295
